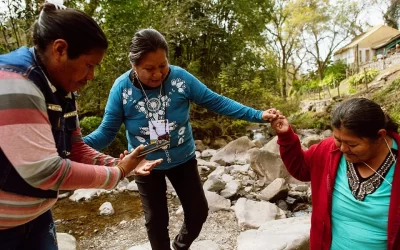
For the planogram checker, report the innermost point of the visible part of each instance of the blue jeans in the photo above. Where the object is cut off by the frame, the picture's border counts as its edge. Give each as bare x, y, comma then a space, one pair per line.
38, 234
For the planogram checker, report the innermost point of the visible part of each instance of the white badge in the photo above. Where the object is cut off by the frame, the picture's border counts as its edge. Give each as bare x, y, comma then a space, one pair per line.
158, 129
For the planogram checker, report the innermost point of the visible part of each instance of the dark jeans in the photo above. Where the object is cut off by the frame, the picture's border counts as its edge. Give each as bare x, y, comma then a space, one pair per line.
38, 234
186, 182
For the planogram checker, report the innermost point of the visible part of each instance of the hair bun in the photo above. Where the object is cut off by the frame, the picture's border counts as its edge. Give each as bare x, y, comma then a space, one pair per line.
51, 5
47, 7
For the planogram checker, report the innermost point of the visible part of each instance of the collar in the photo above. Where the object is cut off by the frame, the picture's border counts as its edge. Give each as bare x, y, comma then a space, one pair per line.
39, 64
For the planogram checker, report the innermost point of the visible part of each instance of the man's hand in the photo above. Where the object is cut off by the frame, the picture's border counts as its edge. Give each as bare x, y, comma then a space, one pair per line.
141, 166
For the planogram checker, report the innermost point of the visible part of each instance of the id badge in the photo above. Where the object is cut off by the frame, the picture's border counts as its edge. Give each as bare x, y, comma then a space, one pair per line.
158, 129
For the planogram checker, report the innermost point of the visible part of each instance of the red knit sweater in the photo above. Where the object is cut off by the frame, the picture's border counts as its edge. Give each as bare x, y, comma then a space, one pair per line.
319, 165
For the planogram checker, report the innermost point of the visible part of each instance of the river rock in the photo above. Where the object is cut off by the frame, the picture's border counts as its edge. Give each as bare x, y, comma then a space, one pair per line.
66, 241
285, 234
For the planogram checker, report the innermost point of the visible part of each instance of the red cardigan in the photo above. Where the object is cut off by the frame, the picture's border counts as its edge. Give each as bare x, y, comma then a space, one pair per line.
319, 165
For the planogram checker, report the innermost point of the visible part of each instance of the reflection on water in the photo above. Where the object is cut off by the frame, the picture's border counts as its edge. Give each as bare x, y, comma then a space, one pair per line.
258, 135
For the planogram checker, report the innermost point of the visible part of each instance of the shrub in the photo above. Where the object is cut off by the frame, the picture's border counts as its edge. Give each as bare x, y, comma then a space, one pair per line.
311, 120
119, 144
362, 77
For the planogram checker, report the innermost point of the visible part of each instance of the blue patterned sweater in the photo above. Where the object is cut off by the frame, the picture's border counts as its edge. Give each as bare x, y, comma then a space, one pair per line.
127, 104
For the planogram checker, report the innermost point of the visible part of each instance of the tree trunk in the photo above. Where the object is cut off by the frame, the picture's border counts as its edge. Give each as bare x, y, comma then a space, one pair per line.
329, 91
15, 31
283, 81
3, 30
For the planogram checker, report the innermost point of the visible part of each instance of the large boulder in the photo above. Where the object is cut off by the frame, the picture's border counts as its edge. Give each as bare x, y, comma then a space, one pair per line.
311, 140
267, 165
252, 214
272, 146
234, 152
285, 234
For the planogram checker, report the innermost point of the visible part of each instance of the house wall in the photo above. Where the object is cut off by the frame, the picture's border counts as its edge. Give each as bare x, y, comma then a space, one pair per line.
346, 56
365, 55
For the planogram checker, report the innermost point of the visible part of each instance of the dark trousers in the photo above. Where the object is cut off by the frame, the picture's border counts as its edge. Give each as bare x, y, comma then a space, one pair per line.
186, 182
38, 234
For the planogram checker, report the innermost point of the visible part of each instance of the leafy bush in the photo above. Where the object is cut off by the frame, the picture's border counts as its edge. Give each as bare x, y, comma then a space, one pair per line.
311, 120
363, 77
334, 74
385, 98
120, 143
89, 124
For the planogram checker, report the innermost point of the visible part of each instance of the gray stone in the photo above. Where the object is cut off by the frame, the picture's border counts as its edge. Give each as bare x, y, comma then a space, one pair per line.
311, 140
204, 245
132, 186
283, 234
230, 189
217, 202
234, 152
214, 183
106, 209
86, 194
208, 153
66, 241
252, 214
278, 189
272, 146
199, 145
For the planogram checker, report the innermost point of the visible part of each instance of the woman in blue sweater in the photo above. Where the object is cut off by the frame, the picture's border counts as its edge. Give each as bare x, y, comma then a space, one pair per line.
153, 101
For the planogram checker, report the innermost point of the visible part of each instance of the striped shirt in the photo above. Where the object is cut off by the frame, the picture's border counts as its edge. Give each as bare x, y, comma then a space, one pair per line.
27, 141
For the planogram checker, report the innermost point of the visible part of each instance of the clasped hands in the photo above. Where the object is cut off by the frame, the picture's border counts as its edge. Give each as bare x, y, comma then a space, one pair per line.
278, 121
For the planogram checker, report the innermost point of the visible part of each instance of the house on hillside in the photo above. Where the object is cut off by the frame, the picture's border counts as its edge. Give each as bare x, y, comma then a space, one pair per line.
362, 48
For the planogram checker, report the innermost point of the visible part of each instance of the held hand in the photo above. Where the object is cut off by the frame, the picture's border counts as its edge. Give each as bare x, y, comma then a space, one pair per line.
141, 166
280, 125
271, 114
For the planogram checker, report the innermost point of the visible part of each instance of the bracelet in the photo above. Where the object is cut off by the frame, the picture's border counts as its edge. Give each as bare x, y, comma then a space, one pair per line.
122, 172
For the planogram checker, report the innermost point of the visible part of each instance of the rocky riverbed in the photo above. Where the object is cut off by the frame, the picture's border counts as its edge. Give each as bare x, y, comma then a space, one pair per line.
253, 202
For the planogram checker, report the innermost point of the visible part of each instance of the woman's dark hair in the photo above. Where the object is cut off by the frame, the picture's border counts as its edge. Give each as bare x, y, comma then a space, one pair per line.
79, 30
144, 41
363, 118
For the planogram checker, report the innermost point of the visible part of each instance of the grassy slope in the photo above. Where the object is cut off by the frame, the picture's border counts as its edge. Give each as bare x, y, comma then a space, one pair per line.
386, 93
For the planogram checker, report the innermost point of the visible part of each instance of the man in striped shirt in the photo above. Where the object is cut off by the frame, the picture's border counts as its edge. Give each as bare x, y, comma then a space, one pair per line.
41, 148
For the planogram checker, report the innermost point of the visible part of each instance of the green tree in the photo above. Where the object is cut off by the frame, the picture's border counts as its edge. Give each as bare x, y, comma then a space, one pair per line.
282, 37
326, 27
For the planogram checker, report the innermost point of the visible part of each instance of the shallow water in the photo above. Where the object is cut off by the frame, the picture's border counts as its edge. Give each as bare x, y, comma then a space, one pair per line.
82, 219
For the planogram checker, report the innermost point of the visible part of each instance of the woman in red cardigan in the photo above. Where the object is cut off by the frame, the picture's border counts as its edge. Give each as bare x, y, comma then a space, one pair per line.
354, 175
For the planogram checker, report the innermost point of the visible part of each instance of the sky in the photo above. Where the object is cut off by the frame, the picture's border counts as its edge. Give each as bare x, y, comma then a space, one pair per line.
373, 15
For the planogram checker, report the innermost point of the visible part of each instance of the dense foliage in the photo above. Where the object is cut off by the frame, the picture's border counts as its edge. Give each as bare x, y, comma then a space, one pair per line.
253, 53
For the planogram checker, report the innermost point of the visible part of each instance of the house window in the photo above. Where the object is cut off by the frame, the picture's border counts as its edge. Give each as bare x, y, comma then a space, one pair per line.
367, 56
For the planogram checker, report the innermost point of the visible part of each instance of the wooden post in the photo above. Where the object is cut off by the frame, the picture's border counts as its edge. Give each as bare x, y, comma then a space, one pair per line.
338, 90
365, 79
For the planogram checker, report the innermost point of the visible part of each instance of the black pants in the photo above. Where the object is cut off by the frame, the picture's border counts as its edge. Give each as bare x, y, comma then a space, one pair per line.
186, 182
